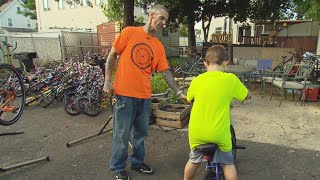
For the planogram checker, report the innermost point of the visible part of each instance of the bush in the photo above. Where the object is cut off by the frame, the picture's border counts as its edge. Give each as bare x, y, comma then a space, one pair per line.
158, 84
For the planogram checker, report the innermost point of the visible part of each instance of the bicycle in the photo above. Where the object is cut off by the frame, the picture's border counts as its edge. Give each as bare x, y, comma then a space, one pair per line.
214, 171
12, 95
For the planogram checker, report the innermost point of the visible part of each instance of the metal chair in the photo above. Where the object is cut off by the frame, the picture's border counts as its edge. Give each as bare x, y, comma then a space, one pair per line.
298, 82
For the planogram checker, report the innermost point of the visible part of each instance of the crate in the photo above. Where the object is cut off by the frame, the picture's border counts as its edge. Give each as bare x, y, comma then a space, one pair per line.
155, 103
173, 119
311, 94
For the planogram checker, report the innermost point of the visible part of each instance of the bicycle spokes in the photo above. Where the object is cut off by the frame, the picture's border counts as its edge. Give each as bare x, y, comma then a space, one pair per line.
12, 95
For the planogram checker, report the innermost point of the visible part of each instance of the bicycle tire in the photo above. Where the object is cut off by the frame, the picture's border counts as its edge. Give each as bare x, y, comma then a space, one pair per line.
90, 109
47, 99
234, 142
20, 107
70, 107
211, 175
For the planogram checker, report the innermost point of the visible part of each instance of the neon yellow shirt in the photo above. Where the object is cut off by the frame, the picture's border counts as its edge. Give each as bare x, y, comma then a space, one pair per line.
212, 93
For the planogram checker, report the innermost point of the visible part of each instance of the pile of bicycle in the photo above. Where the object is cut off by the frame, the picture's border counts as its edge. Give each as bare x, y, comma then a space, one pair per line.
77, 82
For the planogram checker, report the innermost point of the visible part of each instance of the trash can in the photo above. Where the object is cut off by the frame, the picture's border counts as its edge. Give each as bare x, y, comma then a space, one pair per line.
27, 59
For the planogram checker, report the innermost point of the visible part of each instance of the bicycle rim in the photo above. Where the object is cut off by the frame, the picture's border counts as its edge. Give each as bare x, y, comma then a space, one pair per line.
11, 105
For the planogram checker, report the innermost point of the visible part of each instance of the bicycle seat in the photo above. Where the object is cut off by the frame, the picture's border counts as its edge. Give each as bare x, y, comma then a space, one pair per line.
206, 148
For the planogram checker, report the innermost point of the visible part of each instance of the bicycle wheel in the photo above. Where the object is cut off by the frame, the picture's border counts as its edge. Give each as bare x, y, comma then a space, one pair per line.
11, 105
90, 109
234, 142
47, 98
211, 175
70, 104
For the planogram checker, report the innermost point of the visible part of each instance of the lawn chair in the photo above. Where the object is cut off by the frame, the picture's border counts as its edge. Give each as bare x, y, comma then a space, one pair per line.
277, 74
262, 66
298, 82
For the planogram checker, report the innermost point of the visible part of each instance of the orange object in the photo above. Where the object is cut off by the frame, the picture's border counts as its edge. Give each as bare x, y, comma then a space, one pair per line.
311, 94
9, 108
140, 56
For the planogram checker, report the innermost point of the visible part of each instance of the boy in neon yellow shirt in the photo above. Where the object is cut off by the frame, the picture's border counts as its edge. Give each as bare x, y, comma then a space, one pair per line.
212, 93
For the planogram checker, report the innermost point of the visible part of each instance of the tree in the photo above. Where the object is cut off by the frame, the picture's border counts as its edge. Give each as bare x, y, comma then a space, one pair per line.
308, 9
2, 2
29, 9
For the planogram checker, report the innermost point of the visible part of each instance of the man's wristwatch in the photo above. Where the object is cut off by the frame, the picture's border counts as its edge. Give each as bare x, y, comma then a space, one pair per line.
179, 92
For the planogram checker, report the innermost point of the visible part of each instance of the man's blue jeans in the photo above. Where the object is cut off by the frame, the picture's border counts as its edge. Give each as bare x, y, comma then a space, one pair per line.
130, 121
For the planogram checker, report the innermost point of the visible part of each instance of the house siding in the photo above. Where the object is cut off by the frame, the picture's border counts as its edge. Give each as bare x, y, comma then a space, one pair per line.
18, 20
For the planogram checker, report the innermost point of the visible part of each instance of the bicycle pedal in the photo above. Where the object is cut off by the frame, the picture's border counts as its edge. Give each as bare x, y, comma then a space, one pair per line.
9, 108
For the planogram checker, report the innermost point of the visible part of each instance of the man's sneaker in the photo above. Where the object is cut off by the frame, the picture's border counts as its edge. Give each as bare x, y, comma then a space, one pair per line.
143, 168
121, 175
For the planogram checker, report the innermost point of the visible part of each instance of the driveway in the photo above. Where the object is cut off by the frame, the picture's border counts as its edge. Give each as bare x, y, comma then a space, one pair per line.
281, 143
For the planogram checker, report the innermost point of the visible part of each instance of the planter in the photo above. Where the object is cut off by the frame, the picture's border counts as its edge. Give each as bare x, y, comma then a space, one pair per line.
173, 115
155, 102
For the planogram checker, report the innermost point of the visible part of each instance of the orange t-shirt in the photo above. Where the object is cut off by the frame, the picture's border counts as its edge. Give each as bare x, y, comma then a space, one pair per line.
140, 55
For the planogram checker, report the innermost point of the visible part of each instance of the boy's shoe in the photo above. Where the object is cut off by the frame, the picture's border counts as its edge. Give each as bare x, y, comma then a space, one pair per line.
143, 168
121, 175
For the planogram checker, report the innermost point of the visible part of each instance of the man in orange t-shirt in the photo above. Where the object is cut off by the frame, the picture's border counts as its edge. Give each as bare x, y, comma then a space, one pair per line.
140, 54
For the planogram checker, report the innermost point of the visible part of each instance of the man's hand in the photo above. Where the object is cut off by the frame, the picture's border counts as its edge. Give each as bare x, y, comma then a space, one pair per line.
107, 88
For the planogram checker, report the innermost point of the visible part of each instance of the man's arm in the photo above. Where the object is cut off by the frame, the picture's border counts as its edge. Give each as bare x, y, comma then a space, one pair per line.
172, 83
111, 59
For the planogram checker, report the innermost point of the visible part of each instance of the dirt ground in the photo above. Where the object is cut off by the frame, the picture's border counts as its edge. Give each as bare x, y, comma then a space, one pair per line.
281, 143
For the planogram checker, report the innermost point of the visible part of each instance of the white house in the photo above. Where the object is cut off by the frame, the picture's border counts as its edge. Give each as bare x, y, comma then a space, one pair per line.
66, 15
222, 25
11, 21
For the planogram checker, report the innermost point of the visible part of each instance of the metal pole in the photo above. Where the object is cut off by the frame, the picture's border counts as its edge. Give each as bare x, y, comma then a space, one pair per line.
4, 169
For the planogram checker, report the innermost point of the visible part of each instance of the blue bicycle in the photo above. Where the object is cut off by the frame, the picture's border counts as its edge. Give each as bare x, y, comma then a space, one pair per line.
215, 170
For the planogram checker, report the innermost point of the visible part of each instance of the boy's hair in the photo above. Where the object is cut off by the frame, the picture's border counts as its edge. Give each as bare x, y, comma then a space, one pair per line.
216, 55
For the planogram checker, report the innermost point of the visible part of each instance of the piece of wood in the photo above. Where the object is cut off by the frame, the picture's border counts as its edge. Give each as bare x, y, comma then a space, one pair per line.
178, 116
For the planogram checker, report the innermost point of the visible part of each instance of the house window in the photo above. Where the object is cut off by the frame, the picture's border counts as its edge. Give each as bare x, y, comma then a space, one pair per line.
198, 33
259, 29
18, 9
72, 4
46, 5
84, 3
165, 32
28, 24
98, 2
61, 4
218, 30
10, 22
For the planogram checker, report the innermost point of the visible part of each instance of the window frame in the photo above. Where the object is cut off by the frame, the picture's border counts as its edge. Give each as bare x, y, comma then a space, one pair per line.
10, 19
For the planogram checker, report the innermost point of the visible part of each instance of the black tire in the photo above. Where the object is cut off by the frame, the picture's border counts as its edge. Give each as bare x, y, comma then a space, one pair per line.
211, 175
69, 101
234, 142
47, 99
90, 109
8, 75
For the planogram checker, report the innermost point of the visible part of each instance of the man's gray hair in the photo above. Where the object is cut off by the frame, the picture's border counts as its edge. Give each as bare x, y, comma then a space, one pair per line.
158, 7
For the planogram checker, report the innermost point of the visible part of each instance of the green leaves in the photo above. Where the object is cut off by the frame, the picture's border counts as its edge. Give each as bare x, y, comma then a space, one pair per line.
158, 84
